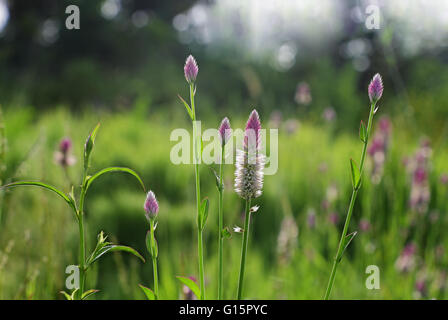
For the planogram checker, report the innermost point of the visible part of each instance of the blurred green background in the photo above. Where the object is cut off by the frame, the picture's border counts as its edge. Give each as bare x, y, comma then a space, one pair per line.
304, 66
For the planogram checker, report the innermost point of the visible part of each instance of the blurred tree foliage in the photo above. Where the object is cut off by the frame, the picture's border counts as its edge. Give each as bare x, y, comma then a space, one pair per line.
114, 63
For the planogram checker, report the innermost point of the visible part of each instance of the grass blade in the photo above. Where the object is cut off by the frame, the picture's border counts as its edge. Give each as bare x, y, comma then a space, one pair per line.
42, 185
115, 169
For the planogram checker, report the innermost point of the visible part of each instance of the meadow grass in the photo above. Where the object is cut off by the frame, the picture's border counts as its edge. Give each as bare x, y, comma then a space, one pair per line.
38, 234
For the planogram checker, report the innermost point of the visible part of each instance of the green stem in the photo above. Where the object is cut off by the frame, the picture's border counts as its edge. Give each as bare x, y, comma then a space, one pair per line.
339, 253
220, 228
82, 253
82, 241
198, 193
154, 262
244, 249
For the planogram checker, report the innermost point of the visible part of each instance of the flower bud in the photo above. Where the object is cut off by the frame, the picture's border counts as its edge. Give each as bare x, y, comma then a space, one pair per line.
225, 131
191, 69
151, 206
375, 88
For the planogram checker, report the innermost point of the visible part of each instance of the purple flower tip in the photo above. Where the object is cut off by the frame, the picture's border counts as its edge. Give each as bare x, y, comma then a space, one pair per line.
225, 131
375, 88
253, 127
191, 69
151, 205
65, 145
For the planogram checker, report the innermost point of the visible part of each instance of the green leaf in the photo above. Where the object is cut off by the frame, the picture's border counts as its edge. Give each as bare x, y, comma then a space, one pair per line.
114, 169
66, 295
45, 186
356, 176
217, 180
225, 233
362, 132
88, 293
148, 292
348, 238
90, 142
190, 113
202, 219
190, 284
113, 247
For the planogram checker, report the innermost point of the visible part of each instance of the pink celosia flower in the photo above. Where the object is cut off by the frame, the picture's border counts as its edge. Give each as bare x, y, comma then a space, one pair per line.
334, 218
249, 161
406, 260
303, 94
375, 88
329, 114
287, 239
63, 156
65, 145
252, 136
444, 179
378, 148
151, 206
191, 69
364, 225
225, 131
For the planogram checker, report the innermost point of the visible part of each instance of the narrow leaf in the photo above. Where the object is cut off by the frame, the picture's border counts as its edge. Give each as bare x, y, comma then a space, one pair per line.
89, 144
356, 176
148, 292
72, 296
190, 284
348, 238
114, 247
88, 293
115, 169
190, 113
66, 295
204, 213
217, 180
45, 186
362, 132
225, 233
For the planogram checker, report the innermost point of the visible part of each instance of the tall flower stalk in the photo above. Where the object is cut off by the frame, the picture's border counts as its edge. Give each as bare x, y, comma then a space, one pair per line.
151, 207
102, 245
224, 135
375, 92
191, 71
249, 182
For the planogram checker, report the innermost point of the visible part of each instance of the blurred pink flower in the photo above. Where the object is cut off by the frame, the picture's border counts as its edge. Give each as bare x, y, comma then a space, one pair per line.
303, 94
63, 156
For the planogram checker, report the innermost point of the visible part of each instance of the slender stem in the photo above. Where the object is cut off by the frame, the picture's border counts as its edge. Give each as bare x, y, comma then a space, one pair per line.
154, 262
82, 253
220, 228
82, 242
198, 193
244, 249
337, 258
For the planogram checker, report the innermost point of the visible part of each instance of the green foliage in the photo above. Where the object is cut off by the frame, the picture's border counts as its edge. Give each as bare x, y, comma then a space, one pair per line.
312, 161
